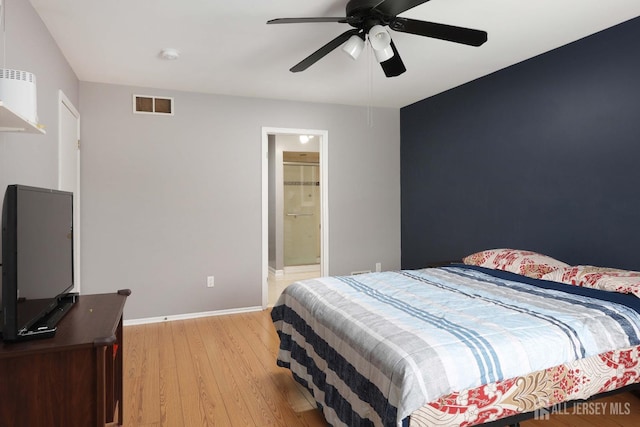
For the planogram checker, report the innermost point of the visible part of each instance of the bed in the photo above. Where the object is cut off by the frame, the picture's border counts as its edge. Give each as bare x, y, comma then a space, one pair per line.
462, 344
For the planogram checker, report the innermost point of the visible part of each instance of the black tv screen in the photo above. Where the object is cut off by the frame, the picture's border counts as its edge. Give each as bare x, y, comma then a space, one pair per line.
37, 255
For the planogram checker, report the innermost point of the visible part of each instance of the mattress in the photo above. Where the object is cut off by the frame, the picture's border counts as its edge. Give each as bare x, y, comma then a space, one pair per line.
452, 345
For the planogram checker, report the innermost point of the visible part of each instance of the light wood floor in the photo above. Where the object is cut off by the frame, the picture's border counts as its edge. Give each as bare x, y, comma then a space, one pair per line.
213, 371
221, 371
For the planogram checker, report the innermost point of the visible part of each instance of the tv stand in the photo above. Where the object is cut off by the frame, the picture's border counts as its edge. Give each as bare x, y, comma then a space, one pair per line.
73, 379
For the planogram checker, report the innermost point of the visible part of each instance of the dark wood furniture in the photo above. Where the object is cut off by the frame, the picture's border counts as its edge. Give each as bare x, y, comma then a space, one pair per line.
73, 379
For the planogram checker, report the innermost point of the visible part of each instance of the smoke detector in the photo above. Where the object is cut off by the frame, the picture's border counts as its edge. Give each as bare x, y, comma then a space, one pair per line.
169, 54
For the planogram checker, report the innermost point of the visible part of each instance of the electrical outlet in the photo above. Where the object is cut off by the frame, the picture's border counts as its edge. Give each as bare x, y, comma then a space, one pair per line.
378, 267
210, 282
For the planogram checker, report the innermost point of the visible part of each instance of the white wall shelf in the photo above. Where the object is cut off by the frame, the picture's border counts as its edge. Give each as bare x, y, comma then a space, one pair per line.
12, 122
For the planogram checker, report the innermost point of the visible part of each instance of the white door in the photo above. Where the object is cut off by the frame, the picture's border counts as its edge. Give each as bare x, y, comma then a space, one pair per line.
69, 170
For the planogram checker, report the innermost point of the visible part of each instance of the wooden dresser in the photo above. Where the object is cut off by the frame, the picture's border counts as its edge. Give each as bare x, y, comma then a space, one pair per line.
73, 379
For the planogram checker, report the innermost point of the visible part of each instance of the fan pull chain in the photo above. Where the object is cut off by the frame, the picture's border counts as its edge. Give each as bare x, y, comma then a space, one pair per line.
369, 85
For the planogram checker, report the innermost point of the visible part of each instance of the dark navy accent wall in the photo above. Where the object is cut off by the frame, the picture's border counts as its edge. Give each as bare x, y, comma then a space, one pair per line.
543, 155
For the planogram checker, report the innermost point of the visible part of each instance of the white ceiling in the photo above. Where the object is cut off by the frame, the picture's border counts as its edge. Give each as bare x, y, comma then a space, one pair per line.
227, 48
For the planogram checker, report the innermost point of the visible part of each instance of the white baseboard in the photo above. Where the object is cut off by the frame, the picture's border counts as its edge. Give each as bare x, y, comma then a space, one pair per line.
170, 318
296, 269
276, 273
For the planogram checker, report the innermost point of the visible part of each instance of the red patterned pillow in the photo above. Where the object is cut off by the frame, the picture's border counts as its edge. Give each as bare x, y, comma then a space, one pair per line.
606, 279
526, 263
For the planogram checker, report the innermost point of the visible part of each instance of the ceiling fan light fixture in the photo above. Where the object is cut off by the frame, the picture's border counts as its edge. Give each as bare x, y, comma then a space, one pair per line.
372, 19
353, 47
379, 38
383, 54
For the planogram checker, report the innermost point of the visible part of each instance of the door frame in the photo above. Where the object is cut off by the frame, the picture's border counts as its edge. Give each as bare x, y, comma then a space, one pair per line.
66, 104
323, 149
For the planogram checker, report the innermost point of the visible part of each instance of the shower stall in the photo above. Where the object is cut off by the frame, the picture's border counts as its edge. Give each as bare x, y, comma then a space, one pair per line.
301, 198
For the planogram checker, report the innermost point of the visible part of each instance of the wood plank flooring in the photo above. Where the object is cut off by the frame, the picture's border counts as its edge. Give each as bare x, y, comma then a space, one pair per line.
213, 371
221, 371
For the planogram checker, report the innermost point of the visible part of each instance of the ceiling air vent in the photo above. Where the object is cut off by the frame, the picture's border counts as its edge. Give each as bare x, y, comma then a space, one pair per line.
143, 104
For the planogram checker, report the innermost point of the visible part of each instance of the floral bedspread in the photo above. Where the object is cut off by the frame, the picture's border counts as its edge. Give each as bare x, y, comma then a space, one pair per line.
534, 392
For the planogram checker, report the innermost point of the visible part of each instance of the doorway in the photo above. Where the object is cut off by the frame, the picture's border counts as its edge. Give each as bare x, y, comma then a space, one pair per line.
294, 207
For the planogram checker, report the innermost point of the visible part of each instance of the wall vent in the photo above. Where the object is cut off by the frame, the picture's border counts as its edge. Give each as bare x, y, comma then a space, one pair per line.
18, 93
355, 273
159, 105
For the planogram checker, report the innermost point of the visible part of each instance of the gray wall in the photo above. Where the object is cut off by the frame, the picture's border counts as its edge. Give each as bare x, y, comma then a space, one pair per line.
27, 158
170, 200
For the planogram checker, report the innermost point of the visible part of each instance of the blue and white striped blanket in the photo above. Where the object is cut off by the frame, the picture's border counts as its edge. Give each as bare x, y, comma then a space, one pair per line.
375, 347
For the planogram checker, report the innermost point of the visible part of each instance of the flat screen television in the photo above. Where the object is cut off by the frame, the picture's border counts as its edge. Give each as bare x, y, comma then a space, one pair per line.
37, 261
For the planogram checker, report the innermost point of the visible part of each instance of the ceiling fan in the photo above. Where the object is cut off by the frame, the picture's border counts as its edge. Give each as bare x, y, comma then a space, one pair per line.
369, 18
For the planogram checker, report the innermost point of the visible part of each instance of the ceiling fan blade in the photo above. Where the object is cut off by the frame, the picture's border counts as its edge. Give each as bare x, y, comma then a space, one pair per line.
393, 66
439, 31
396, 7
306, 20
324, 50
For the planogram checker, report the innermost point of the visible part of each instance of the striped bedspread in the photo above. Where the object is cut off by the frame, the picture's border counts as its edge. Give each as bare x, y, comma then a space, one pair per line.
375, 347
